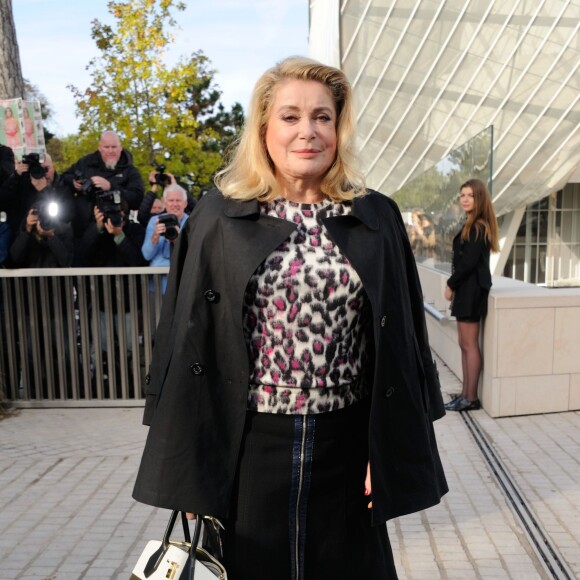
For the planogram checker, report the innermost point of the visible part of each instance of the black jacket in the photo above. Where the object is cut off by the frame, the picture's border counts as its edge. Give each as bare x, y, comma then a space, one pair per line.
32, 251
471, 277
103, 251
6, 163
124, 178
18, 195
198, 383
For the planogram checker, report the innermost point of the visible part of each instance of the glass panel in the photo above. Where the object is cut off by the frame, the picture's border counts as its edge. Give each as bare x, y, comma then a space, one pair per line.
429, 203
520, 262
543, 227
508, 271
542, 253
532, 227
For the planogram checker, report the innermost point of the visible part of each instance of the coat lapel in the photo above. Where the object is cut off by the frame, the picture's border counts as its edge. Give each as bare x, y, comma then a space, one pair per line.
251, 237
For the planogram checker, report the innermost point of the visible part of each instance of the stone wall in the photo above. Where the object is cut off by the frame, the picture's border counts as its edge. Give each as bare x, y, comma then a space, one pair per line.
531, 345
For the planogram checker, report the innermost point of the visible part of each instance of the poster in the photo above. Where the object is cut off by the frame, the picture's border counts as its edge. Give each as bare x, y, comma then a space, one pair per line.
21, 127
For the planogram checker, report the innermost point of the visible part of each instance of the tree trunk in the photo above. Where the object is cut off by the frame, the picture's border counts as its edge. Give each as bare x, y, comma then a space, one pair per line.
11, 82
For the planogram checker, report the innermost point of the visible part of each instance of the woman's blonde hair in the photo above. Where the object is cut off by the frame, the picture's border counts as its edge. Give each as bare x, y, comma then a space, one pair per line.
250, 174
482, 218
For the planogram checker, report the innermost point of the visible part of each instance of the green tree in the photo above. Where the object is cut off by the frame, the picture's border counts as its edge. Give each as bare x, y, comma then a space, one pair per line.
163, 114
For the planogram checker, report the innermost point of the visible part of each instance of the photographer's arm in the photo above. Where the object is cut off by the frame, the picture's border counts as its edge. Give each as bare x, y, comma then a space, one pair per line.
150, 245
61, 244
19, 248
6, 163
131, 244
90, 237
144, 213
9, 190
68, 181
134, 189
101, 183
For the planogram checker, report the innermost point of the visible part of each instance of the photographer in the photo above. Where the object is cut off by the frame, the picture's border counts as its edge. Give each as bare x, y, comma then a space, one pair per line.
5, 238
110, 242
32, 181
6, 170
162, 230
107, 169
153, 205
6, 163
44, 240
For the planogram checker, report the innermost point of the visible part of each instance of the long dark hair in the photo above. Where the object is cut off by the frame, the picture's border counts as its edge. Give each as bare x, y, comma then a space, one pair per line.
482, 218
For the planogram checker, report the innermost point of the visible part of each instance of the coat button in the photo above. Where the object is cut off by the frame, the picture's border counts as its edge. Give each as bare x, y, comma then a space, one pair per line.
211, 296
390, 392
383, 321
147, 378
196, 369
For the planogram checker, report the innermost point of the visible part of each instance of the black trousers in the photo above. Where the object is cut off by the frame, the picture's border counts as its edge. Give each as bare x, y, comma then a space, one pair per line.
299, 511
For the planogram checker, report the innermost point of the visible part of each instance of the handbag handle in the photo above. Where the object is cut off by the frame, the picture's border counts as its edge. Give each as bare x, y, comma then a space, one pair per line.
157, 556
211, 535
189, 567
210, 527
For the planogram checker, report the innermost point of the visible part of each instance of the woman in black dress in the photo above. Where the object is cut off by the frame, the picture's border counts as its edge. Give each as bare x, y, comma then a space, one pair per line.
469, 284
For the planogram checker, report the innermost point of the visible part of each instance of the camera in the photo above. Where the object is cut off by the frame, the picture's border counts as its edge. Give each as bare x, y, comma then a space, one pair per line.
35, 168
161, 178
109, 204
171, 226
48, 214
88, 188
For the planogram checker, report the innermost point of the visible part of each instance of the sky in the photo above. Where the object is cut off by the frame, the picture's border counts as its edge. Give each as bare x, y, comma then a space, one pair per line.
242, 38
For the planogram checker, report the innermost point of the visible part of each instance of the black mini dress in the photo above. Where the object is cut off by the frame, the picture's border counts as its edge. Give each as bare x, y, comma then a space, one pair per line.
471, 277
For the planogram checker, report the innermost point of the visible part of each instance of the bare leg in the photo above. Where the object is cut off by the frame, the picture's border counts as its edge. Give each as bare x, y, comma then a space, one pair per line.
468, 334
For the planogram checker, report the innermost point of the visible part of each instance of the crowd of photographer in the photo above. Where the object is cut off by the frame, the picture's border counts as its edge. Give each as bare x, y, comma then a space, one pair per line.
83, 218
96, 215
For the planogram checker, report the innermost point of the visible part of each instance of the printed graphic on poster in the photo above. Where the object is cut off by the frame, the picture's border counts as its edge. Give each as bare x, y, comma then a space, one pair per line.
21, 127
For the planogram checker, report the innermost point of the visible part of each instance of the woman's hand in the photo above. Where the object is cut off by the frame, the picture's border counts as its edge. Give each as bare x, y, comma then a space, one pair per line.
190, 516
448, 293
368, 488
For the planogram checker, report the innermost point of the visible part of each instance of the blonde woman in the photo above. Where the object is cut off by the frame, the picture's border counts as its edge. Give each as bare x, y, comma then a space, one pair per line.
292, 389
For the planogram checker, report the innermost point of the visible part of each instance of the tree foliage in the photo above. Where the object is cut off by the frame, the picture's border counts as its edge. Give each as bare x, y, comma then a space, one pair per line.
158, 110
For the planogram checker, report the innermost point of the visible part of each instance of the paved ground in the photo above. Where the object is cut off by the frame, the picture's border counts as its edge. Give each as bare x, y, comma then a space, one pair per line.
66, 510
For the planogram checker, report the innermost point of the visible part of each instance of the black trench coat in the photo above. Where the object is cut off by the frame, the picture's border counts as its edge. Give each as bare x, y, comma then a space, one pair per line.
196, 394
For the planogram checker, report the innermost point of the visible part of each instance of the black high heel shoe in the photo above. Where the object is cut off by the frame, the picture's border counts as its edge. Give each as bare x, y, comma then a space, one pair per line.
452, 400
461, 404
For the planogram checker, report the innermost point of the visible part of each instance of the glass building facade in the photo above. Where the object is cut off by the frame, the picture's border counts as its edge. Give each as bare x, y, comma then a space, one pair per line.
431, 75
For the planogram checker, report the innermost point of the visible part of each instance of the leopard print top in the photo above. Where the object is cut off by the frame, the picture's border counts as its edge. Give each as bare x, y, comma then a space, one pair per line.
305, 311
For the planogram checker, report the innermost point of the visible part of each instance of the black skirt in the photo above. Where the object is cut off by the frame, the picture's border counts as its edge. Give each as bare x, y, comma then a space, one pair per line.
469, 303
299, 511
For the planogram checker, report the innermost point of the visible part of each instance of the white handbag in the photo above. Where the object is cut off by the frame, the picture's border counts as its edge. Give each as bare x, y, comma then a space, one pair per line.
171, 559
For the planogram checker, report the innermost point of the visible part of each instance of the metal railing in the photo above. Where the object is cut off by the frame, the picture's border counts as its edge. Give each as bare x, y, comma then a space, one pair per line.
77, 336
438, 315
